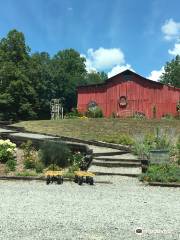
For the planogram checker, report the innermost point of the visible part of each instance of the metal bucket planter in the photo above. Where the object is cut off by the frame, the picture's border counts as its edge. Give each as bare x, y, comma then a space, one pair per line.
160, 156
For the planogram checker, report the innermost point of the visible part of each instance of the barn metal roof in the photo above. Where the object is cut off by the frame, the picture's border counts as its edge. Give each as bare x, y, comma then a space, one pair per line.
127, 73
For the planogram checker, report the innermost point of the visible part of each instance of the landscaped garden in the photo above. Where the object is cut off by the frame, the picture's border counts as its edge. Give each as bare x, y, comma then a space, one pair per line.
26, 160
145, 137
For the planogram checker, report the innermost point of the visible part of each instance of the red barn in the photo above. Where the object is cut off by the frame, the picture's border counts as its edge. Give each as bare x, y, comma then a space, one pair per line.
127, 94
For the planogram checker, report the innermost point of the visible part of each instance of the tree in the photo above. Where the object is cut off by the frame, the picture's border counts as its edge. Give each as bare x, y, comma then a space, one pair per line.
171, 75
68, 72
95, 77
41, 76
29, 82
15, 82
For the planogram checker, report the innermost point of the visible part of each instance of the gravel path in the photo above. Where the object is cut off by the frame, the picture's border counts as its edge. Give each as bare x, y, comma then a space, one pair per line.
32, 210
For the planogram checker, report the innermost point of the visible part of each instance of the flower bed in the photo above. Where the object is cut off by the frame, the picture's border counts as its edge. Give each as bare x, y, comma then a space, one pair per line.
28, 161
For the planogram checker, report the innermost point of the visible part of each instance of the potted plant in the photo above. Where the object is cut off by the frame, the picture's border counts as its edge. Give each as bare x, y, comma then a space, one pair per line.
160, 153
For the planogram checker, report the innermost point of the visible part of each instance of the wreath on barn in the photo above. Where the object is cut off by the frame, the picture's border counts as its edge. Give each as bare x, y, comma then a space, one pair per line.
122, 101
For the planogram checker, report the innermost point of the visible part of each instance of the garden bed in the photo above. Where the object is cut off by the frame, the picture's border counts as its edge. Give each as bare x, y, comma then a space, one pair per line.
28, 163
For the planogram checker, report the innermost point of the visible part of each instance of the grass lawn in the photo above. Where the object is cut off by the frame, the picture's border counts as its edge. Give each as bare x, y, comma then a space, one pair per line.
97, 129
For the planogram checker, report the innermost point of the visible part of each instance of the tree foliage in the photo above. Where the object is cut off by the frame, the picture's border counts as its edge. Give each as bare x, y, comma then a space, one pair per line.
171, 75
96, 77
28, 81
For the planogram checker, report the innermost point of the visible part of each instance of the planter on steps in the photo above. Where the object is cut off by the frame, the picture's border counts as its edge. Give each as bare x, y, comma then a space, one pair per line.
160, 156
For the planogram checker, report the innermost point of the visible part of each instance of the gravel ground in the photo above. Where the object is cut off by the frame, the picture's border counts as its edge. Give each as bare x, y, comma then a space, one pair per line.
32, 210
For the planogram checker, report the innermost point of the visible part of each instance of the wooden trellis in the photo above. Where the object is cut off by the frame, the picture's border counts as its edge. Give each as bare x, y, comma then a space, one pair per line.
56, 109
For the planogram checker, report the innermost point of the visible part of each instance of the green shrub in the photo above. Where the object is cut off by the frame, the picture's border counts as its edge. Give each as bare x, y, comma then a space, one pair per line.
54, 167
152, 142
149, 139
162, 173
139, 116
55, 153
7, 150
162, 142
94, 112
11, 165
178, 150
30, 155
76, 159
123, 139
76, 162
39, 167
73, 114
141, 149
30, 163
27, 147
69, 175
168, 116
73, 168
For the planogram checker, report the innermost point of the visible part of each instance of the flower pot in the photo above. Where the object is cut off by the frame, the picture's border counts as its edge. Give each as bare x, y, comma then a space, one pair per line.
160, 156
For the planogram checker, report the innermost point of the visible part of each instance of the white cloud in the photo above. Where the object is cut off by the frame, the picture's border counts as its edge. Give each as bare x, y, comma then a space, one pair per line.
176, 50
118, 69
171, 29
103, 58
155, 74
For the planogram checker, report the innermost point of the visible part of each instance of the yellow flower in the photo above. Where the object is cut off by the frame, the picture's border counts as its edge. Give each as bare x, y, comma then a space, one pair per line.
83, 117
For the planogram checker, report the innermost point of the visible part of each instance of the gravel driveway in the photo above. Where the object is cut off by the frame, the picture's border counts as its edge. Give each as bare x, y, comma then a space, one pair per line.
32, 210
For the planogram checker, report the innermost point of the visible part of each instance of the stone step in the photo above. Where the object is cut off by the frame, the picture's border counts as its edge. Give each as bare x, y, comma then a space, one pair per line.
119, 163
116, 174
123, 171
98, 154
109, 159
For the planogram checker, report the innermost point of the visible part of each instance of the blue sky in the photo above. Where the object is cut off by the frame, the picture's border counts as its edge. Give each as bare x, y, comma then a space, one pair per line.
112, 34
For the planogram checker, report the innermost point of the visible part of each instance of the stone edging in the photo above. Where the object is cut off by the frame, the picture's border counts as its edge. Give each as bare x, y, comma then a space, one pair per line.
33, 178
160, 184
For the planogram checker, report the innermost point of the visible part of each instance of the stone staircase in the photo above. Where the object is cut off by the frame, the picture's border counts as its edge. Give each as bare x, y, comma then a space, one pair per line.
115, 163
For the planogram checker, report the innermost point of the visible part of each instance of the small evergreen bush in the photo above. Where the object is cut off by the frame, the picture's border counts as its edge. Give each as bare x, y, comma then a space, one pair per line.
56, 153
